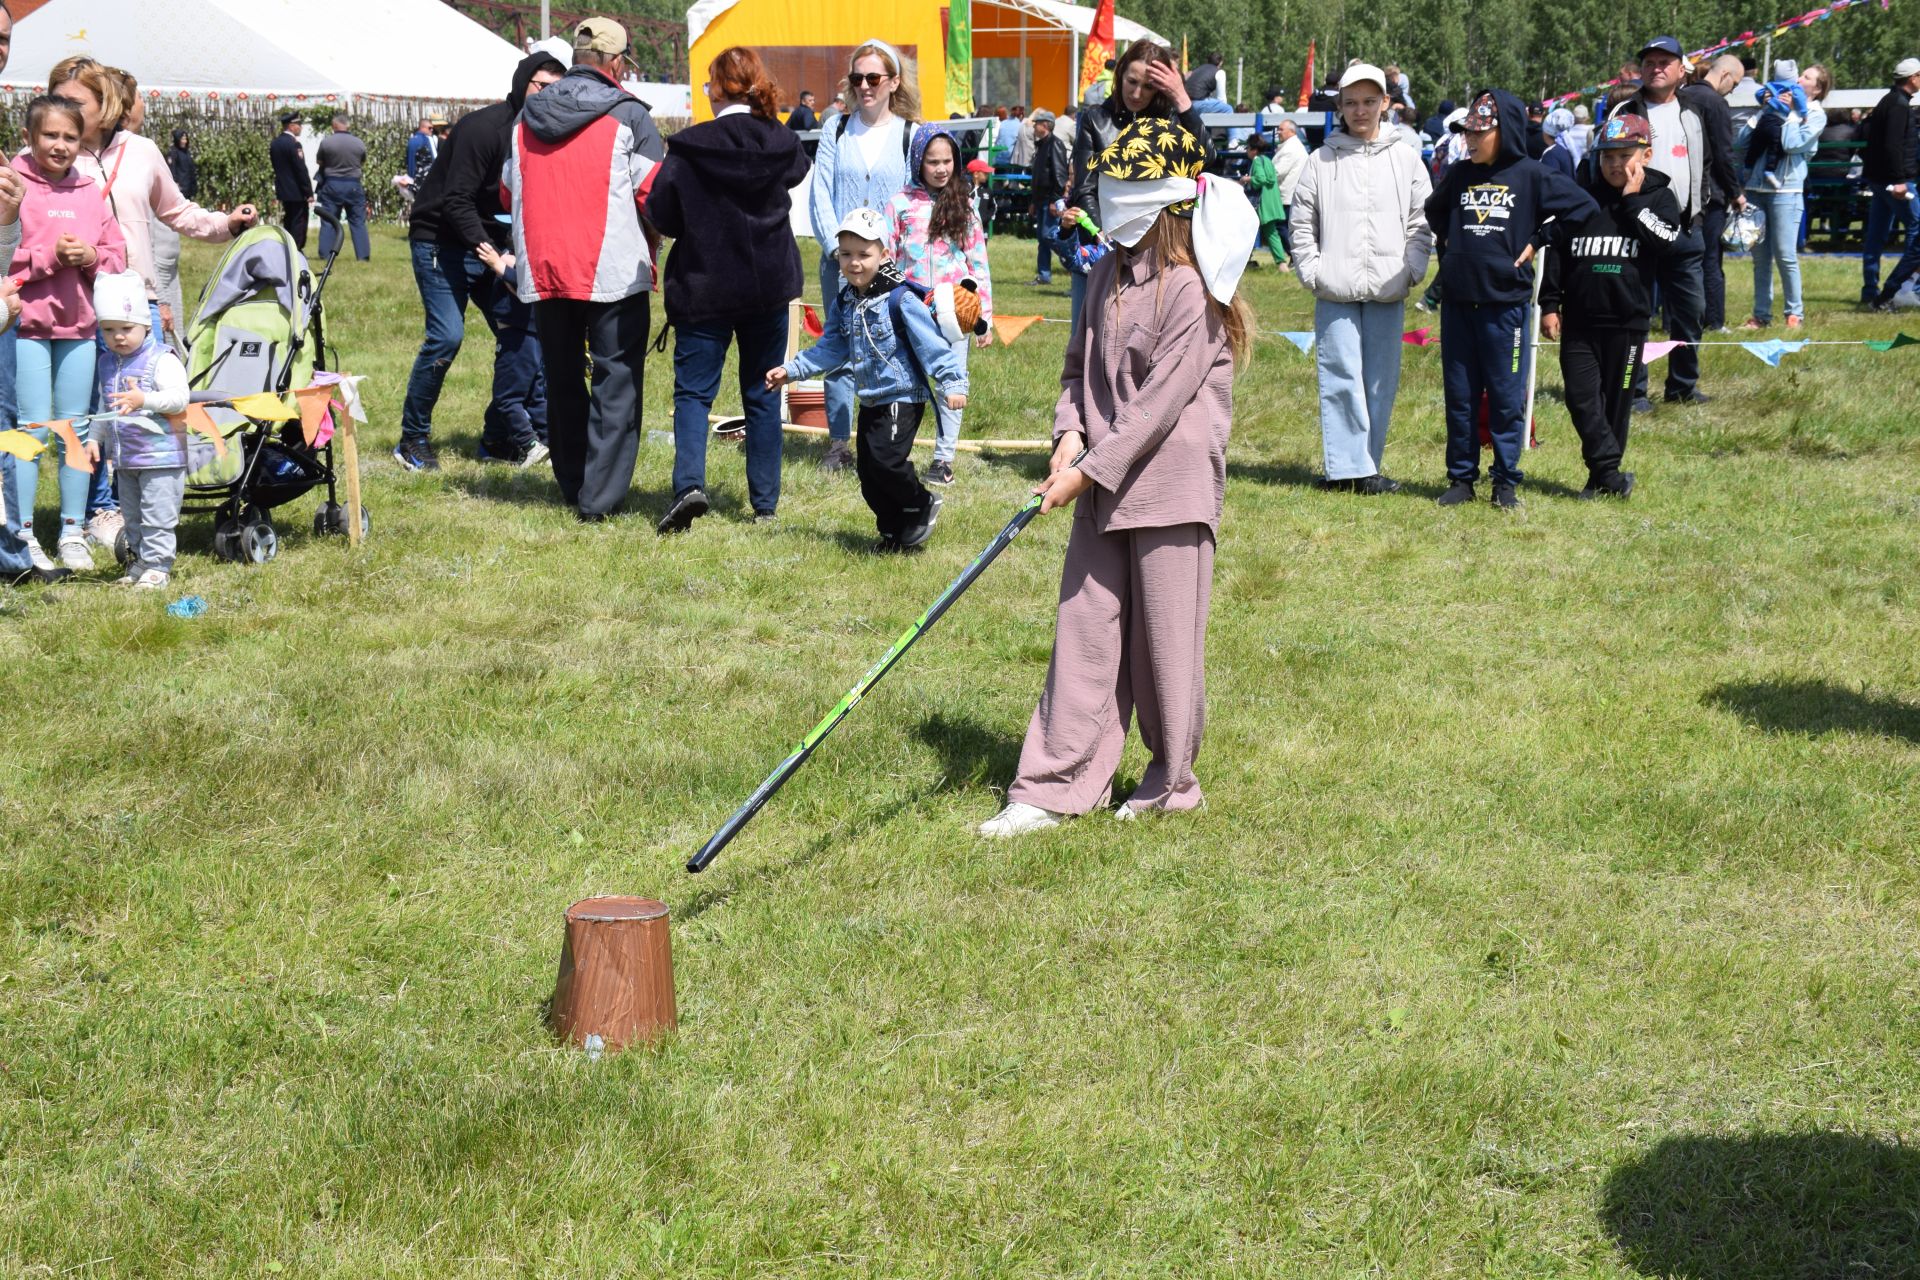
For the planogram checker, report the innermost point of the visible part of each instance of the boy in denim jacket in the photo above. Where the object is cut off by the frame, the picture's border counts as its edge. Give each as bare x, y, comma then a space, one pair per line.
886, 333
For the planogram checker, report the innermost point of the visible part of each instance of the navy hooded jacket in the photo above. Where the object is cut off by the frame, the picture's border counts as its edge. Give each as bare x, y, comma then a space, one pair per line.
1485, 216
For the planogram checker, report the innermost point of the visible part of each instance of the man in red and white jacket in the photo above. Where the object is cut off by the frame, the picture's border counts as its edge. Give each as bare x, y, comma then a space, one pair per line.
584, 261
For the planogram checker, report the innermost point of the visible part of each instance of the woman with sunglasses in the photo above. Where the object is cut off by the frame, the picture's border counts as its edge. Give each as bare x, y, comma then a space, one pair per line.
861, 164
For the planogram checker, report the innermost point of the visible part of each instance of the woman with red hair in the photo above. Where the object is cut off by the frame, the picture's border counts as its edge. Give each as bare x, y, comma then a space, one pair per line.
722, 195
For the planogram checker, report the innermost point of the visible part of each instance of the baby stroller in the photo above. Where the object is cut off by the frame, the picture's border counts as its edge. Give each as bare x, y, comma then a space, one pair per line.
257, 328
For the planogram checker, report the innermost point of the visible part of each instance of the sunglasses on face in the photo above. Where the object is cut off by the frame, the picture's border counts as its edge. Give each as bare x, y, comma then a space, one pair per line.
872, 79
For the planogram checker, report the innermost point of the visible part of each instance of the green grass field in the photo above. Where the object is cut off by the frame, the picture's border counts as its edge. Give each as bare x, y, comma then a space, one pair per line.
1553, 912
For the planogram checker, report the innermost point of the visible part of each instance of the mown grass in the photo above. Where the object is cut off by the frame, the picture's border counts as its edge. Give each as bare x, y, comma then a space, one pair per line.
1552, 912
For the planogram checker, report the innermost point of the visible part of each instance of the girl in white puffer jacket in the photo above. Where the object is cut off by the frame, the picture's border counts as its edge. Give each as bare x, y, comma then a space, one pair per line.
1360, 244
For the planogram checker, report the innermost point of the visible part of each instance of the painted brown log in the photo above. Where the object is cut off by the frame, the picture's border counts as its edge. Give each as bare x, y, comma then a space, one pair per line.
616, 973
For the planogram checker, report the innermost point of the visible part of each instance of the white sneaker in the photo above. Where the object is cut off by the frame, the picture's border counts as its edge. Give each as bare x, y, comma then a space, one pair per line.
73, 551
1125, 813
41, 560
128, 578
1018, 819
537, 453
151, 580
104, 528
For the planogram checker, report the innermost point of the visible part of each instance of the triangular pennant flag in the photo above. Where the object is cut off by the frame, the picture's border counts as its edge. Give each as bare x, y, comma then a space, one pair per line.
1654, 350
1418, 337
313, 403
1007, 328
1302, 340
75, 456
1897, 340
810, 321
265, 406
20, 445
1770, 351
197, 420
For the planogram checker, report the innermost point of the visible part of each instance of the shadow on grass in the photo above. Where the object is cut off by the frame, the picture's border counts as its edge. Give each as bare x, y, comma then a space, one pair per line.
1814, 707
1292, 473
1767, 1205
971, 753
537, 488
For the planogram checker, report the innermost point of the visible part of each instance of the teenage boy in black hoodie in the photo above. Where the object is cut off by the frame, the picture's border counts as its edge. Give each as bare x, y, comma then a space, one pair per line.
1600, 271
1489, 214
455, 211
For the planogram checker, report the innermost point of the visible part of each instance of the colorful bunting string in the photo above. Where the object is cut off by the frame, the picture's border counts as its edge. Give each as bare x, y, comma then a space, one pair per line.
1746, 40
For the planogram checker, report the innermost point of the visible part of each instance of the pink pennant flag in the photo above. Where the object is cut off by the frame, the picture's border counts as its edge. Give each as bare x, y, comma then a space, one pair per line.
1418, 337
1654, 350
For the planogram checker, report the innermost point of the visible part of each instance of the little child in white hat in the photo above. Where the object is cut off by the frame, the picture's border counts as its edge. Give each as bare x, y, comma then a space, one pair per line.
141, 383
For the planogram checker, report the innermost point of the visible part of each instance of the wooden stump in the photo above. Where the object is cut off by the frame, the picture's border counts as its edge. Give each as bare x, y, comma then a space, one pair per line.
616, 973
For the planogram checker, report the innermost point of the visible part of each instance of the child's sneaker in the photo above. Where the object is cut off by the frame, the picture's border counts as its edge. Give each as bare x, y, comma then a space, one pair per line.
151, 580
938, 472
918, 535
73, 550
127, 579
35, 552
1018, 820
104, 527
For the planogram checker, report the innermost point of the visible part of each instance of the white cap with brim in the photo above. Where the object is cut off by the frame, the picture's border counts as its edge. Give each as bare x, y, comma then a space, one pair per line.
1363, 71
1455, 119
1907, 67
121, 298
865, 223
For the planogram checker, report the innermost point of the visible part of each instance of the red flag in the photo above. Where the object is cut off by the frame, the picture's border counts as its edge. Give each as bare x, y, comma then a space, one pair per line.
1306, 80
810, 321
1099, 47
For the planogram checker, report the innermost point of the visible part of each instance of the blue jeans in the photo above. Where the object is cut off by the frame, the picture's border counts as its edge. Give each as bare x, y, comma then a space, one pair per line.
946, 430
13, 548
1357, 348
55, 380
699, 355
1778, 245
348, 200
1047, 227
448, 281
1483, 348
839, 383
1883, 212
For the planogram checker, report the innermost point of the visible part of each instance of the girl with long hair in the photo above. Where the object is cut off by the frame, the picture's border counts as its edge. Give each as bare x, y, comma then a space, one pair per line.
937, 239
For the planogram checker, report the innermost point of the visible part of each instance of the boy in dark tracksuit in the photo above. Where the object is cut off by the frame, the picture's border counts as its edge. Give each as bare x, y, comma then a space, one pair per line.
1600, 273
1489, 214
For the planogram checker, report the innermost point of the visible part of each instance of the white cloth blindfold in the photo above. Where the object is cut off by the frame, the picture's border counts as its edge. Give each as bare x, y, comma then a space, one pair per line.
1225, 227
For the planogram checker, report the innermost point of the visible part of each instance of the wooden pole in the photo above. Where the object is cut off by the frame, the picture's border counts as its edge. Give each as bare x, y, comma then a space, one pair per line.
616, 973
350, 460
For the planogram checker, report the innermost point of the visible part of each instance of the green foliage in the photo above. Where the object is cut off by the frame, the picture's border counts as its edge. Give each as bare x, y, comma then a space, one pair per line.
230, 142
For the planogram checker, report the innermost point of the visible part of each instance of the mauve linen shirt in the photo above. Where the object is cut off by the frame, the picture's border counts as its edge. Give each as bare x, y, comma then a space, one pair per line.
1149, 381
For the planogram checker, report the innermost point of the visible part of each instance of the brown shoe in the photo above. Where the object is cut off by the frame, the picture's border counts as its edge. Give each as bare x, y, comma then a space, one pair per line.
1753, 322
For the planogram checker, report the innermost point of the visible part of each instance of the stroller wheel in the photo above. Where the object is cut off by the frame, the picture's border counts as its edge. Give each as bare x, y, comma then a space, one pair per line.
259, 542
331, 518
226, 540
122, 549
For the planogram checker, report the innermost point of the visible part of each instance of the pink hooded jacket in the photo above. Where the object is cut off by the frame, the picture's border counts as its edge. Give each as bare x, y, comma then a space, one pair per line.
57, 301
140, 189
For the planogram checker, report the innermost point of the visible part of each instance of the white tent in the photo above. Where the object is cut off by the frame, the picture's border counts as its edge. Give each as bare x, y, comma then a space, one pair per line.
340, 50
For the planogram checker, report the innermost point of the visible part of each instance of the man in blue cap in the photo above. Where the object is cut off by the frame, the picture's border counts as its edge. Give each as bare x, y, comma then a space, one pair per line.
1683, 150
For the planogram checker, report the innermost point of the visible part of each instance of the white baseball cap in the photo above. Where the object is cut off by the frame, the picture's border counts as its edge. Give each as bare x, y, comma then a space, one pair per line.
1907, 67
865, 223
1363, 71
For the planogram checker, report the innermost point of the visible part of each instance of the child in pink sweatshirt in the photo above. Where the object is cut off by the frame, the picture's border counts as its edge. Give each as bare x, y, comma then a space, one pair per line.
67, 234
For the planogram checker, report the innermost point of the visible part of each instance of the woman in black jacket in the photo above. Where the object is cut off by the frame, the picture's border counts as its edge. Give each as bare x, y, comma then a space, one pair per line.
180, 161
1146, 82
721, 195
